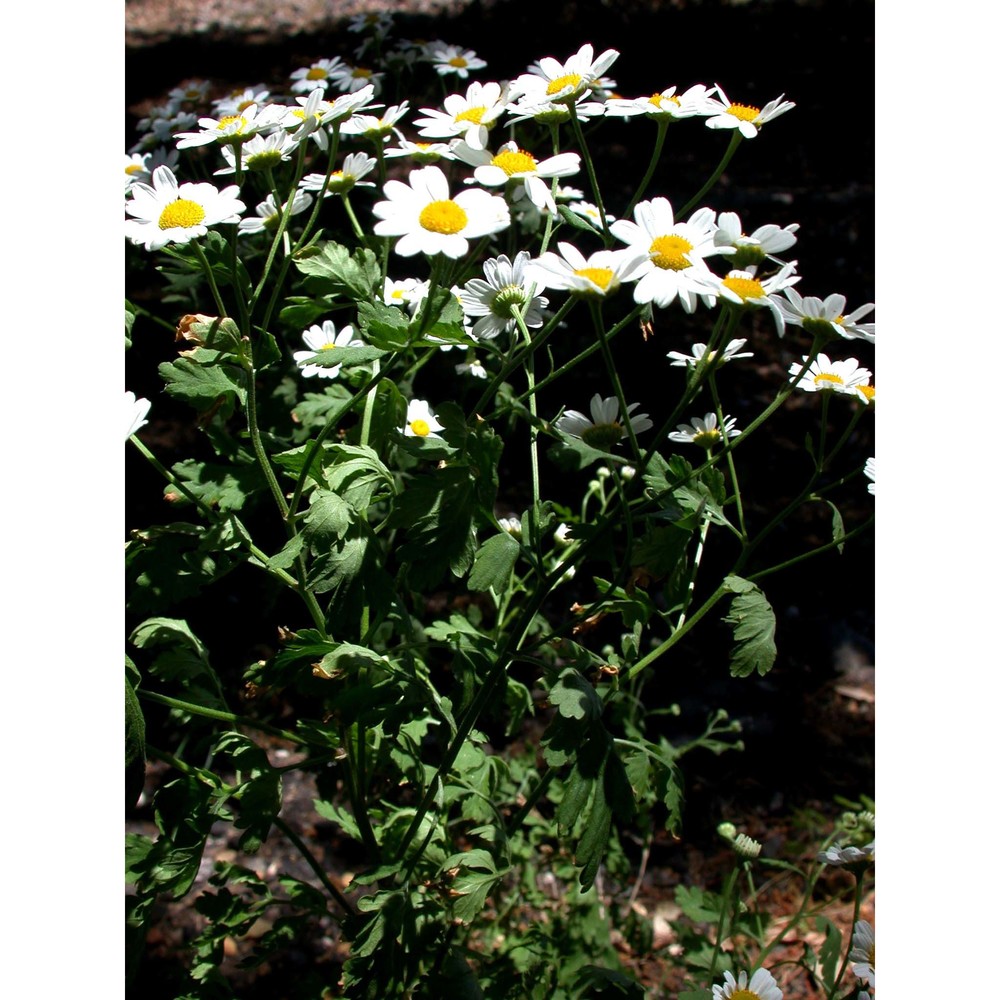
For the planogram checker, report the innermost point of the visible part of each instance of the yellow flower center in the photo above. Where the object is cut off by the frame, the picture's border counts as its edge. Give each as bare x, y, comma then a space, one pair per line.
571, 80
181, 214
839, 320
134, 168
745, 288
515, 161
868, 391
243, 105
328, 346
458, 62
658, 100
706, 439
603, 436
444, 217
829, 377
600, 276
668, 252
745, 113
359, 73
471, 115
398, 295
224, 123
744, 995
316, 73
420, 427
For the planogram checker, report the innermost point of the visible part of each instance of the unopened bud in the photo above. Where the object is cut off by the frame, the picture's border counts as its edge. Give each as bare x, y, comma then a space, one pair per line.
746, 846
726, 830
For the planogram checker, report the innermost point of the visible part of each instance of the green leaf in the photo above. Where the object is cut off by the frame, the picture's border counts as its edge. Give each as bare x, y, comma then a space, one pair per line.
340, 816
129, 322
356, 275
334, 569
327, 520
386, 327
436, 514
577, 221
838, 526
753, 624
348, 357
698, 905
259, 794
225, 487
593, 981
574, 696
207, 385
359, 476
494, 561
135, 726
303, 311
829, 953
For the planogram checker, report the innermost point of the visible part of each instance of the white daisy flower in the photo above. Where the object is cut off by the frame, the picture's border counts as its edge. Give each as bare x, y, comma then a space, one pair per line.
865, 392
474, 368
232, 128
670, 256
666, 105
470, 117
550, 112
317, 74
551, 80
399, 293
195, 92
420, 420
605, 429
745, 117
760, 987
356, 166
705, 432
448, 59
863, 944
324, 338
316, 113
422, 152
511, 163
377, 127
759, 246
140, 166
698, 353
351, 79
840, 376
269, 214
870, 473
589, 211
512, 525
505, 286
136, 411
162, 129
599, 275
744, 288
379, 23
239, 100
167, 213
826, 316
845, 857
429, 221
262, 152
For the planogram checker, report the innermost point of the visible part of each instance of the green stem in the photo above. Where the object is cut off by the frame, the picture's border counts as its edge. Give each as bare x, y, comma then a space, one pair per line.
219, 716
720, 417
727, 892
212, 514
858, 896
609, 363
344, 903
710, 183
591, 175
207, 268
661, 134
532, 409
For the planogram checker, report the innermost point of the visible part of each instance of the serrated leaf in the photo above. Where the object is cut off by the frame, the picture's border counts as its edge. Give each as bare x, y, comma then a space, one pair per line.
328, 519
204, 385
225, 487
359, 476
754, 625
574, 696
386, 327
356, 274
837, 526
495, 559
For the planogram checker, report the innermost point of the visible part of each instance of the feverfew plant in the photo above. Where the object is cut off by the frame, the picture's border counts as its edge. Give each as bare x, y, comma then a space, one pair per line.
467, 581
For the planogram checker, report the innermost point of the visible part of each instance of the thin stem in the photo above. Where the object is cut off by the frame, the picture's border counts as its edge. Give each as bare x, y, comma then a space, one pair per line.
207, 268
720, 417
661, 134
696, 562
532, 409
858, 896
219, 716
727, 892
710, 183
589, 164
609, 363
341, 899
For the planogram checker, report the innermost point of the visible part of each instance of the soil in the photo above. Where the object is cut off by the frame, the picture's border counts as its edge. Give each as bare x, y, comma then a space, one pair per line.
808, 725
